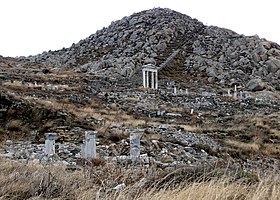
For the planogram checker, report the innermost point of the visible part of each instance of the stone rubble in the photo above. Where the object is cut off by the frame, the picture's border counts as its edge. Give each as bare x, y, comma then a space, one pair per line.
152, 36
180, 149
206, 62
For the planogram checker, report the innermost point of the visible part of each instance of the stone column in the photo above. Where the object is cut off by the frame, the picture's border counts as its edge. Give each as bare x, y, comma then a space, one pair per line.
134, 146
229, 93
144, 78
50, 144
83, 147
175, 90
147, 81
90, 145
153, 80
156, 74
235, 92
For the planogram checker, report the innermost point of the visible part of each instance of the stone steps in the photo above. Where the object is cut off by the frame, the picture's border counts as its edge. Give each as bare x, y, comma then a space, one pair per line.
173, 66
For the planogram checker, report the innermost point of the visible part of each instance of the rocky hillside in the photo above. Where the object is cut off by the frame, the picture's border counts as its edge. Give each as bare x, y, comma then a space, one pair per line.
215, 54
193, 121
122, 48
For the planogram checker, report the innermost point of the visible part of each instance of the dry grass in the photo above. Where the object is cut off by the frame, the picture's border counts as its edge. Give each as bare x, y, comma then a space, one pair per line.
14, 125
132, 99
111, 114
251, 147
224, 188
249, 134
96, 180
271, 149
23, 181
189, 128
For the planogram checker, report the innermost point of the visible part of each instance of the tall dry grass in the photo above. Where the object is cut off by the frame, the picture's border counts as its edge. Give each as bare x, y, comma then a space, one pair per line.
220, 189
96, 180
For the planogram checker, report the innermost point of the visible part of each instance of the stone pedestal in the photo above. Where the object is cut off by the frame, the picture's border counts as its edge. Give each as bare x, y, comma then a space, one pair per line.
90, 144
235, 92
50, 144
134, 146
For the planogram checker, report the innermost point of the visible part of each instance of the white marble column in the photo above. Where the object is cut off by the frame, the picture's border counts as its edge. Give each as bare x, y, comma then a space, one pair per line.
144, 78
229, 92
235, 92
153, 80
134, 146
147, 81
156, 74
90, 145
50, 144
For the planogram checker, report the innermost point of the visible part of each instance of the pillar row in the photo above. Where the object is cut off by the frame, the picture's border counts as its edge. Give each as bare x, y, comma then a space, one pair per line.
150, 78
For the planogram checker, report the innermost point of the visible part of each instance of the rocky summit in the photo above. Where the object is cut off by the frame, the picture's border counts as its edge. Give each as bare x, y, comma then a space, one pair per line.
216, 54
216, 102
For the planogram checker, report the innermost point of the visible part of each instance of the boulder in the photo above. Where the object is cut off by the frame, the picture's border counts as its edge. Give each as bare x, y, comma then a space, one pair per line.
277, 85
261, 50
149, 61
212, 71
266, 45
273, 65
274, 52
255, 85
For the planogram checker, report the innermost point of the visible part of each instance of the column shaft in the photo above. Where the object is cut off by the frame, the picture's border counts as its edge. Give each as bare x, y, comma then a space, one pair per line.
156, 79
144, 78
147, 82
153, 80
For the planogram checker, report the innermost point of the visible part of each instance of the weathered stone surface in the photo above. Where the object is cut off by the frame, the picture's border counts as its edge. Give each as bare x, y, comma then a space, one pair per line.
255, 85
152, 36
274, 52
273, 65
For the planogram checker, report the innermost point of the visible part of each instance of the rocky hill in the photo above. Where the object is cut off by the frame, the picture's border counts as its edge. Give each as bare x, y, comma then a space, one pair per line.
216, 54
194, 120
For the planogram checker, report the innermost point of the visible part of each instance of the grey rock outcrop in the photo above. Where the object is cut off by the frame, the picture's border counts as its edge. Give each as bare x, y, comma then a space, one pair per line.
255, 85
219, 54
132, 39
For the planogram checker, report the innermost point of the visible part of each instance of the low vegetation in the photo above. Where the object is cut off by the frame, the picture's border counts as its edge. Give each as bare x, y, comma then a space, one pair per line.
98, 179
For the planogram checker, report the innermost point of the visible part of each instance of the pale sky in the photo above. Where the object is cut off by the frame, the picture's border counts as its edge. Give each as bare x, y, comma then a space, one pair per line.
29, 27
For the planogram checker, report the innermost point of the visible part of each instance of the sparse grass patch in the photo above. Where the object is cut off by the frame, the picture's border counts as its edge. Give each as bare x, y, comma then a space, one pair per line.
133, 122
177, 109
271, 149
132, 99
116, 135
207, 149
249, 147
14, 125
189, 128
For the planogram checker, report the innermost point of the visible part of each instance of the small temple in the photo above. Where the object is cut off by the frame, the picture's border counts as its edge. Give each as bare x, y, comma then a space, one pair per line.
150, 76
